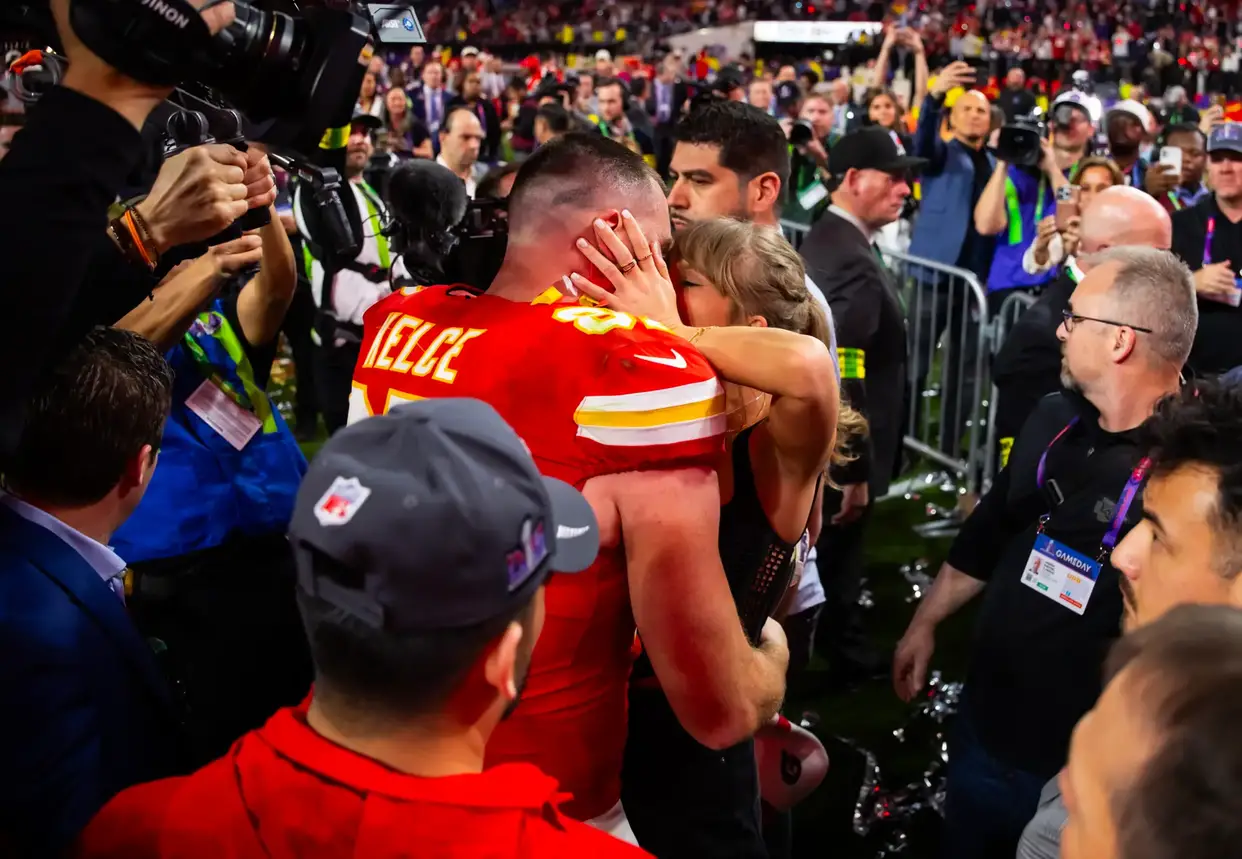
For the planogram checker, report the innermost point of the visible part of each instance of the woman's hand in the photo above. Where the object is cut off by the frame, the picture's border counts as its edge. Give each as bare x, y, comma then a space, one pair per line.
1044, 231
1070, 237
640, 280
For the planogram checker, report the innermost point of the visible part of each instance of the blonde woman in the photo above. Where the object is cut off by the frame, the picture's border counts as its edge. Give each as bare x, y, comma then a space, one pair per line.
750, 314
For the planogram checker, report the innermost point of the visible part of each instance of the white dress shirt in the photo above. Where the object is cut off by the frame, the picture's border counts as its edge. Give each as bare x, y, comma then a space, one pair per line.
102, 559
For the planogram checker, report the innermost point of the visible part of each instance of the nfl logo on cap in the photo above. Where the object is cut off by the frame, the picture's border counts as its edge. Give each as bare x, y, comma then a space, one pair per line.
342, 500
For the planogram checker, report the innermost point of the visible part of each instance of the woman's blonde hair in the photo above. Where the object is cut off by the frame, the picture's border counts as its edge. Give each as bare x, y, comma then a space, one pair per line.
762, 275
1097, 161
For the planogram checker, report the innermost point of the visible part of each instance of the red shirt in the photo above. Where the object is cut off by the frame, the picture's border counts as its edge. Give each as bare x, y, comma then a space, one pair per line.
285, 791
592, 392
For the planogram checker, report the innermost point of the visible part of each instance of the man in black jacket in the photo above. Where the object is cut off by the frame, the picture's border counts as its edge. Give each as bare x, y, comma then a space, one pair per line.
74, 177
1028, 367
872, 180
1039, 542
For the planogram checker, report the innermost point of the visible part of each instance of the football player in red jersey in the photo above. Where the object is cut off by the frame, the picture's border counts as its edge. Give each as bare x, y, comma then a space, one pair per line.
632, 415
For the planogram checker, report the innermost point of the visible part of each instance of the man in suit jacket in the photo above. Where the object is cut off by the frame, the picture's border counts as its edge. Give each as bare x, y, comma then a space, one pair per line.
88, 711
871, 179
666, 97
957, 172
431, 98
472, 98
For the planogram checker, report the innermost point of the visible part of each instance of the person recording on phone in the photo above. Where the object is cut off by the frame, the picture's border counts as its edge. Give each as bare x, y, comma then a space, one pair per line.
1208, 237
1176, 180
1057, 235
74, 177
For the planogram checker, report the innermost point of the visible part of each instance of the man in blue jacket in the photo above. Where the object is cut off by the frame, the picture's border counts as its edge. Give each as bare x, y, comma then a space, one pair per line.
956, 173
87, 709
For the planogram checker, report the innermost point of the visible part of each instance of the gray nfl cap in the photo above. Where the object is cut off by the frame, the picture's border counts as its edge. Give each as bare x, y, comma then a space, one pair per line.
1226, 137
436, 517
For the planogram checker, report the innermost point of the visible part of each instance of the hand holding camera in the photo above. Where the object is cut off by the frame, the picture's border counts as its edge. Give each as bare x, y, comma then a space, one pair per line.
202, 190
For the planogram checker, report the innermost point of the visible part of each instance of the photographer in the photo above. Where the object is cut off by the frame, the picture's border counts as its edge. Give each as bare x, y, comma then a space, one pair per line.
344, 289
74, 177
1012, 205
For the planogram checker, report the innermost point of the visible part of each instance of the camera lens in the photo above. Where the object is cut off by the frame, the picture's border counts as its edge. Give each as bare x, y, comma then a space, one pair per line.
801, 133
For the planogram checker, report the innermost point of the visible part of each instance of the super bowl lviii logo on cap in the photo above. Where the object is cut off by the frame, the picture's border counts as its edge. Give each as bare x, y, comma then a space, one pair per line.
530, 553
342, 500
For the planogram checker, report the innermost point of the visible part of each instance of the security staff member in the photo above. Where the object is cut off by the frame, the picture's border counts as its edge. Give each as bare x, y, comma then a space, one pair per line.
344, 289
1039, 541
872, 182
1028, 367
1208, 238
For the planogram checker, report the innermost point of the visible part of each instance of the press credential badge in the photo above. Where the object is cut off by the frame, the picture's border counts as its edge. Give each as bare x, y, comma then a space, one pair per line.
1062, 575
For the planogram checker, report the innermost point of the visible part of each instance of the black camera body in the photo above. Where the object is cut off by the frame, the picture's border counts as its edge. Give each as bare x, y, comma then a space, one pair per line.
293, 73
1021, 141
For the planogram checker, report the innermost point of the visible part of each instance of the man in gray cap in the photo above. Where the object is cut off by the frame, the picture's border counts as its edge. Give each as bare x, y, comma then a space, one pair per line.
423, 540
1208, 238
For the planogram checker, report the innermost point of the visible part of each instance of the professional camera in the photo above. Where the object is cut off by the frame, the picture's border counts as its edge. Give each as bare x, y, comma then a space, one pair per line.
802, 132
310, 61
1021, 141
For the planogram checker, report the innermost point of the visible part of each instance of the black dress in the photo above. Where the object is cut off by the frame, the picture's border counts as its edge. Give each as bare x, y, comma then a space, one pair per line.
683, 799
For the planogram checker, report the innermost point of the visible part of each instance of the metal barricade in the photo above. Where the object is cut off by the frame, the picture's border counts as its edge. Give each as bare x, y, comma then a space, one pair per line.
947, 371
1002, 323
795, 232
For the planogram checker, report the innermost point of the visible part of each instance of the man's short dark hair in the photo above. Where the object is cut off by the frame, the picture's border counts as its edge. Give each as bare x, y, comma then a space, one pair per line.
447, 126
751, 142
1186, 802
1202, 426
559, 120
617, 82
1185, 128
571, 170
368, 672
89, 417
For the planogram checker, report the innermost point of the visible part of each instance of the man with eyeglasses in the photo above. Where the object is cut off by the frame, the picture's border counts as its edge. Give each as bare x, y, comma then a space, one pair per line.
1038, 546
1208, 237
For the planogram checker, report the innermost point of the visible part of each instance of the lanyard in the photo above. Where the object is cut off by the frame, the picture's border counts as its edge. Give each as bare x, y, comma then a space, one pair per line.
1074, 272
1207, 241
1015, 212
1177, 203
1126, 499
381, 241
1135, 180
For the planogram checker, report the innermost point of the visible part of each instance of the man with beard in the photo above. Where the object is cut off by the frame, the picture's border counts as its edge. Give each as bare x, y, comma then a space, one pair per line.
1028, 366
418, 657
732, 161
1186, 549
344, 289
1039, 541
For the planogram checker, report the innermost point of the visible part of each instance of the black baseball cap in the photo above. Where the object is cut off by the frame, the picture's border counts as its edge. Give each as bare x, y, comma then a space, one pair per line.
368, 121
871, 148
436, 517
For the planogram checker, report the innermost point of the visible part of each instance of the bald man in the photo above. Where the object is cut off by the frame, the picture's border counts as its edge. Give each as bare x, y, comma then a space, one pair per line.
1029, 363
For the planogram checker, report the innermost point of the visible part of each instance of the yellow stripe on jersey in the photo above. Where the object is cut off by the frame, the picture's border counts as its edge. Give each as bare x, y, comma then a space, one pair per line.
664, 416
656, 417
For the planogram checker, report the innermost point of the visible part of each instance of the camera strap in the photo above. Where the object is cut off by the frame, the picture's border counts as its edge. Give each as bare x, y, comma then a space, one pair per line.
1015, 210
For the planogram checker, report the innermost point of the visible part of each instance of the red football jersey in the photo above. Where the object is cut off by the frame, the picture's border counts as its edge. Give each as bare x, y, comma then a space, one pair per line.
591, 391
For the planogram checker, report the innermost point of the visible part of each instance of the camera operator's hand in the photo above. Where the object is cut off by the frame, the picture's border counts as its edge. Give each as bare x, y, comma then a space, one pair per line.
260, 181
1048, 160
815, 149
956, 74
91, 76
1161, 179
198, 193
1044, 231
